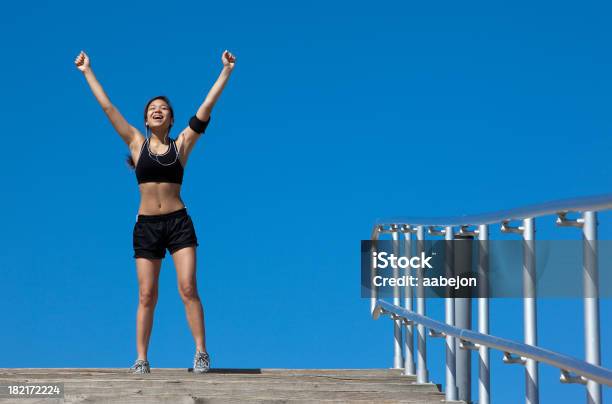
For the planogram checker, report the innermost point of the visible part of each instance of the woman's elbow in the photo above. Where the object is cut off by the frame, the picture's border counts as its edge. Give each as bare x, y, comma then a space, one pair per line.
108, 108
204, 113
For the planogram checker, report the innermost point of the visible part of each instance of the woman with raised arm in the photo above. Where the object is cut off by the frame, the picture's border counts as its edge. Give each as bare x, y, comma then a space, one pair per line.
163, 222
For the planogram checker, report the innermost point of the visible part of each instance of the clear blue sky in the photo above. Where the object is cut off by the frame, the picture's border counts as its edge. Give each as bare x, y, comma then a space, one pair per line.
337, 113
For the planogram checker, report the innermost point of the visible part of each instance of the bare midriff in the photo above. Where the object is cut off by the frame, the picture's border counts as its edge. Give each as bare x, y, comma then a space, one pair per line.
159, 198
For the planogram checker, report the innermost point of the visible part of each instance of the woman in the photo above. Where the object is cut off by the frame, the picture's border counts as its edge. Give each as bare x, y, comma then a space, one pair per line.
163, 222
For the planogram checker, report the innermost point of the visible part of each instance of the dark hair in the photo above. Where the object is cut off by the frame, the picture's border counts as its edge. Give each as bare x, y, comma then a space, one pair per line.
129, 159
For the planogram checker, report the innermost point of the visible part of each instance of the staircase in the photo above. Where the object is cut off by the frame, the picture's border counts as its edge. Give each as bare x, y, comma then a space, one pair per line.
228, 386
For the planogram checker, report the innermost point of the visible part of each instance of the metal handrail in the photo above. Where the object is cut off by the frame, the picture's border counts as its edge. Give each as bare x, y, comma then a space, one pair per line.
405, 230
562, 362
591, 203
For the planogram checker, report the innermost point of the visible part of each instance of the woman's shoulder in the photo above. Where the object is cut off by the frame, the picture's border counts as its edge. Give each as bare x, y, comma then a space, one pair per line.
138, 144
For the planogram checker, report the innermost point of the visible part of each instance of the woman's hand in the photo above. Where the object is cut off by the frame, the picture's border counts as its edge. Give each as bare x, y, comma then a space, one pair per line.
228, 59
82, 62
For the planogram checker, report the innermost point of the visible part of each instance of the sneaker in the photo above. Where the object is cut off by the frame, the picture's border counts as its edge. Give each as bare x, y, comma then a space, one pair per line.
140, 366
201, 362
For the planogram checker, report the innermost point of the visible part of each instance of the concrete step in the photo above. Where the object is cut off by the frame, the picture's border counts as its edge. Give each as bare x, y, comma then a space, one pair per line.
230, 386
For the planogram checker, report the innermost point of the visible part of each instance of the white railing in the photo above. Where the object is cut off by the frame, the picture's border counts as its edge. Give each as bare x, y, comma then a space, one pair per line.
460, 340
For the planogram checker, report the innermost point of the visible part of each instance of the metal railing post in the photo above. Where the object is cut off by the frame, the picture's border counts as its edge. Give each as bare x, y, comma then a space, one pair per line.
397, 324
373, 288
484, 371
449, 316
409, 368
591, 300
529, 309
462, 262
422, 374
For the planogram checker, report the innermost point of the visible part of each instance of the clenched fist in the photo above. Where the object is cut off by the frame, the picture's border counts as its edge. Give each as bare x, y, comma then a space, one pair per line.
82, 62
228, 59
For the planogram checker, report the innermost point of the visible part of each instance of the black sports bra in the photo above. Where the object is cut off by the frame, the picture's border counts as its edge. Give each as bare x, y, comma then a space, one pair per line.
164, 167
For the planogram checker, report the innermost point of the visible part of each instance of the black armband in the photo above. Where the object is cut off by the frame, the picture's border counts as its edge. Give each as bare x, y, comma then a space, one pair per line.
198, 126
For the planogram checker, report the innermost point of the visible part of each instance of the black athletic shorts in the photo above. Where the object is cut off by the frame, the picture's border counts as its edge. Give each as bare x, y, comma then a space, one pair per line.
153, 234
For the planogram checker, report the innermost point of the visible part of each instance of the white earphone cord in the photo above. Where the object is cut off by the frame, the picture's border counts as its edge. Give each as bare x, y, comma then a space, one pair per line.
155, 156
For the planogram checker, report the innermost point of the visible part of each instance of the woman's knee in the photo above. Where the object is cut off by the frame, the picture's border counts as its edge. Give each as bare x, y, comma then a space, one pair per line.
148, 297
188, 292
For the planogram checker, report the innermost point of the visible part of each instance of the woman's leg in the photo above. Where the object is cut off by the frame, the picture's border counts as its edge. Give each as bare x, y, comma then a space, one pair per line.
185, 263
148, 279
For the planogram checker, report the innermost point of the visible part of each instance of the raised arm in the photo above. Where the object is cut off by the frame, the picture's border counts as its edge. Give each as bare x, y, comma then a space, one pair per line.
187, 139
229, 61
128, 133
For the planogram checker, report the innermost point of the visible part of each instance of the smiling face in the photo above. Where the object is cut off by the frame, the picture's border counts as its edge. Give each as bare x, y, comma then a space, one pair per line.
158, 114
